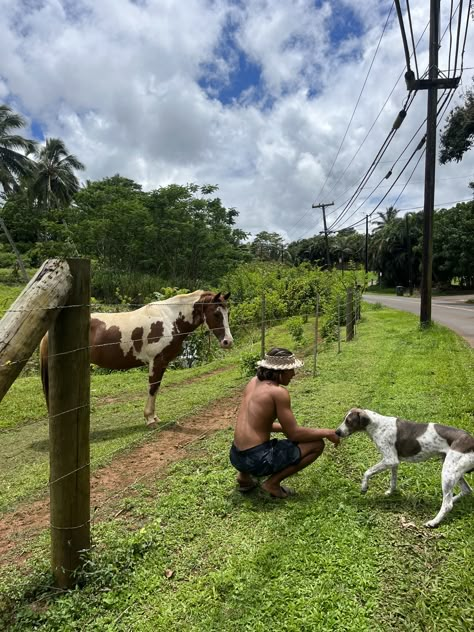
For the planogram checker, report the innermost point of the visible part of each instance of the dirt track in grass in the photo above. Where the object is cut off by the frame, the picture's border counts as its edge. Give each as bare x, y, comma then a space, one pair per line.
140, 464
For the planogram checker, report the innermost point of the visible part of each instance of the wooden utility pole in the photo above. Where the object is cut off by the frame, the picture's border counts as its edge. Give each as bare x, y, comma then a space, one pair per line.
410, 267
323, 206
69, 393
366, 244
430, 169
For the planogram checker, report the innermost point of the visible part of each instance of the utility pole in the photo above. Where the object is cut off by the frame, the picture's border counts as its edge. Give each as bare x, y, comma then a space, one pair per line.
323, 206
431, 85
430, 170
366, 244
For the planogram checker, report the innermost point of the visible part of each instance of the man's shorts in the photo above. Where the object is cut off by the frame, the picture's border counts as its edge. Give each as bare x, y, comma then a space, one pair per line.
267, 458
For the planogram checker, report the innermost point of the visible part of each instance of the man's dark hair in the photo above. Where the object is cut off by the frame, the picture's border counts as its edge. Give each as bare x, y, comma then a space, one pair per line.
263, 373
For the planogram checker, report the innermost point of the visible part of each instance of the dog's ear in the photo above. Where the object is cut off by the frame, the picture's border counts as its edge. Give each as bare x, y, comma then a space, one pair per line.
357, 419
364, 419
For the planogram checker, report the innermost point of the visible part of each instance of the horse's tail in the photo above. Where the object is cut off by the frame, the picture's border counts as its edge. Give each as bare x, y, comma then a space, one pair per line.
44, 367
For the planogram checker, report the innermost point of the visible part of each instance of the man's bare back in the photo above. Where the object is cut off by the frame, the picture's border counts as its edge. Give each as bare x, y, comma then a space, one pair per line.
257, 413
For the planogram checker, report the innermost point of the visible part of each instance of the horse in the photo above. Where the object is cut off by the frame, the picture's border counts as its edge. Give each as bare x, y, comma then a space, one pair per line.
152, 335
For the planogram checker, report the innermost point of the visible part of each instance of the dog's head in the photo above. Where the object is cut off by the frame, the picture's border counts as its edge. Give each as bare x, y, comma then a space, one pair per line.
355, 420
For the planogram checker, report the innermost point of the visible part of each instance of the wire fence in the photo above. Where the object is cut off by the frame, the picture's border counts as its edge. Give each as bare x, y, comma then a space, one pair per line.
339, 325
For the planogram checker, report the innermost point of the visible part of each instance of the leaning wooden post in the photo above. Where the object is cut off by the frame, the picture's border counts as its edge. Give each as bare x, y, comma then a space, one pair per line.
349, 316
316, 333
28, 319
69, 384
262, 350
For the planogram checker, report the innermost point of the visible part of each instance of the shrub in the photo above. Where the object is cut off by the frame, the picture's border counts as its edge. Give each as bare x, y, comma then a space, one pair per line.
248, 363
296, 329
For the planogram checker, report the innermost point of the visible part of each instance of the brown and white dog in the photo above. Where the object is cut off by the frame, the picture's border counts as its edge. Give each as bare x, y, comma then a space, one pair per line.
399, 440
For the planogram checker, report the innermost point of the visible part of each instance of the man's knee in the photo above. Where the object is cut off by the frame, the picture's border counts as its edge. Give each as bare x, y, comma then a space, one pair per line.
313, 448
318, 446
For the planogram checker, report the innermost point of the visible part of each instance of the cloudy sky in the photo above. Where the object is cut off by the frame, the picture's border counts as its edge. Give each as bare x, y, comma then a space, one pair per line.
282, 103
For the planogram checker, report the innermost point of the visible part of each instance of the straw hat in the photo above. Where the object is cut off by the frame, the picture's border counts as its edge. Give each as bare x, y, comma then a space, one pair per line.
280, 363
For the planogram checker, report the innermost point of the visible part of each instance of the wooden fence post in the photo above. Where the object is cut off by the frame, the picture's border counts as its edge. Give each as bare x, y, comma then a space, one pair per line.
262, 350
69, 384
28, 319
316, 333
349, 316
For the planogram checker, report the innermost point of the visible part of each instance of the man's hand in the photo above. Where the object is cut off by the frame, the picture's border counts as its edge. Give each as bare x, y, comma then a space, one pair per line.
333, 437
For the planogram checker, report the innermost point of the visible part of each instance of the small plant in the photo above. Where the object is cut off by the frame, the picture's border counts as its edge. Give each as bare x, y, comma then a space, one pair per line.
296, 329
248, 363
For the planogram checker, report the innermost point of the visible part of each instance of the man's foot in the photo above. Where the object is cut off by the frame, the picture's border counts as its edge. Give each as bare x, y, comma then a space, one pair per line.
245, 483
278, 491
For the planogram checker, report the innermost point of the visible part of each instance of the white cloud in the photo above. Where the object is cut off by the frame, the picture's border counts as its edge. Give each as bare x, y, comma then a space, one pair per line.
133, 87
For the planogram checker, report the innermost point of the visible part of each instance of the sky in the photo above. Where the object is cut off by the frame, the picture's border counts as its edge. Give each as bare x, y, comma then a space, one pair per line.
283, 104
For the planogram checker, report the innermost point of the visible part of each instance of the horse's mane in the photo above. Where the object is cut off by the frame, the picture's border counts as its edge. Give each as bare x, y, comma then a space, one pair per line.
192, 297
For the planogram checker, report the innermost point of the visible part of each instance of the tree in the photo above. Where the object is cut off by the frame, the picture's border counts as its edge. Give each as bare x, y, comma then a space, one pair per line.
14, 150
452, 245
384, 219
267, 246
458, 134
53, 182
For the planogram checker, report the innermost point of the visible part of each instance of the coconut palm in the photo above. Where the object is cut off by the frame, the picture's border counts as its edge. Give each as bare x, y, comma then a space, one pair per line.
54, 183
385, 219
14, 150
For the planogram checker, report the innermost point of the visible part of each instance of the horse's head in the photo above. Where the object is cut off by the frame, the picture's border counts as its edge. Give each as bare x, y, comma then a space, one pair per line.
216, 317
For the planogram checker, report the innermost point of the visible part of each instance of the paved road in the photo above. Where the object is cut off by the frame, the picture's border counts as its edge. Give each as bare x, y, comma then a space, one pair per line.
451, 311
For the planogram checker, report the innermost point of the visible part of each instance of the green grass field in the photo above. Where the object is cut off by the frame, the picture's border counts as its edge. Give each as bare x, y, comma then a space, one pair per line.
190, 553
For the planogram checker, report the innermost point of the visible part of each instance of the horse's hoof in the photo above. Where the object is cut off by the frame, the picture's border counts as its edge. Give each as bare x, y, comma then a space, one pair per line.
152, 423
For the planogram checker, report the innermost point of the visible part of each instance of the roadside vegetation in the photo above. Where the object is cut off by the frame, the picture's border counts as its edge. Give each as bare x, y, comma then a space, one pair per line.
186, 551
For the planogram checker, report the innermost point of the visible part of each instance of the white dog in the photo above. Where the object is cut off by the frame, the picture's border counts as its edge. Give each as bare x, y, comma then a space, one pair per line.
398, 440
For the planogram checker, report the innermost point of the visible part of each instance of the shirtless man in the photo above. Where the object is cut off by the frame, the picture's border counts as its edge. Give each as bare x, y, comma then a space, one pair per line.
264, 400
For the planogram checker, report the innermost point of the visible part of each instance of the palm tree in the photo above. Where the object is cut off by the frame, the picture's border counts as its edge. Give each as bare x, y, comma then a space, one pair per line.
54, 182
385, 219
14, 150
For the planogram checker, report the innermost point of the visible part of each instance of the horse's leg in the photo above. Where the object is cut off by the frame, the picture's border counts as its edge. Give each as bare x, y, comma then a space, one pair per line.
155, 375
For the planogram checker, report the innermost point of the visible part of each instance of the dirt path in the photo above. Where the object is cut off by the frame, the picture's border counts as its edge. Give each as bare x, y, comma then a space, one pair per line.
145, 462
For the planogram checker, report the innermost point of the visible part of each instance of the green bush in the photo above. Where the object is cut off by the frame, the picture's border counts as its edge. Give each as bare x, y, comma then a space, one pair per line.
248, 363
296, 329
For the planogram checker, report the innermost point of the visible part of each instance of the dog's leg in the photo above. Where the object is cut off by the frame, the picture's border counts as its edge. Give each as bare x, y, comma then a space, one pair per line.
393, 481
465, 489
375, 469
450, 475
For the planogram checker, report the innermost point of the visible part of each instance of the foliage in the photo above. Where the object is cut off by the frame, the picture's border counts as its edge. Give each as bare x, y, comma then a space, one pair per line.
296, 329
344, 246
248, 363
453, 252
458, 134
52, 182
395, 248
14, 150
267, 246
185, 551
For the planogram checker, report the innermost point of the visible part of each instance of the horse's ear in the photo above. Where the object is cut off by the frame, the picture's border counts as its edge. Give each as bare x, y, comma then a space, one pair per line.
226, 296
217, 298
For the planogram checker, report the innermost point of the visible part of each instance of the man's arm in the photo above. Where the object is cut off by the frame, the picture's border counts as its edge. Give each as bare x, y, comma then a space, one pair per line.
289, 426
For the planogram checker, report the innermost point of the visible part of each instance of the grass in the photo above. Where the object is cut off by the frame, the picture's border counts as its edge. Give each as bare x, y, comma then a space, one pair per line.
190, 553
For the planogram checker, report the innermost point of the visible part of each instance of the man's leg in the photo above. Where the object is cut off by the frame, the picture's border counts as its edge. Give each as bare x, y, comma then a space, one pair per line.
309, 453
245, 482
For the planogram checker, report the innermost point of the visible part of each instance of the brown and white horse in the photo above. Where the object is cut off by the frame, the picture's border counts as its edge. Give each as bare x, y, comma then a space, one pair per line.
152, 335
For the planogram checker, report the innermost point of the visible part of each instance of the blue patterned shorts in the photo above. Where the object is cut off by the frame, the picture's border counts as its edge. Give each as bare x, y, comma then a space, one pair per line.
267, 458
